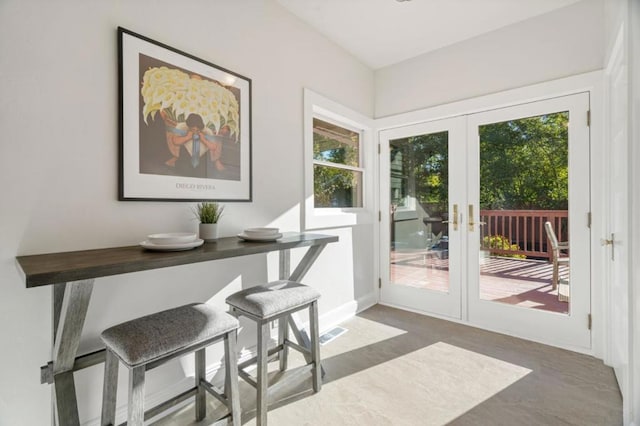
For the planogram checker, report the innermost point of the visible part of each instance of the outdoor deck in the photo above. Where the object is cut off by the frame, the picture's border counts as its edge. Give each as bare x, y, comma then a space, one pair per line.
522, 282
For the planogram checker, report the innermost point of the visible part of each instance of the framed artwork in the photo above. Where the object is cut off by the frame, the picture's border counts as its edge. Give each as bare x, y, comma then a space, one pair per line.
185, 125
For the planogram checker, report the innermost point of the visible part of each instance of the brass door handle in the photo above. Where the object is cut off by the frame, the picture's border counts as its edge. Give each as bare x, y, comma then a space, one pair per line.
455, 218
606, 242
472, 220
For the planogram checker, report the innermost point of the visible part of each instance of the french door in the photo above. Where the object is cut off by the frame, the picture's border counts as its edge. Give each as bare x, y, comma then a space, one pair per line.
542, 150
421, 235
465, 234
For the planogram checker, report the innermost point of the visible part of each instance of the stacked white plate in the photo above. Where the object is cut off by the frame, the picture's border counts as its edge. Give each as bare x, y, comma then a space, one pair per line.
172, 241
260, 234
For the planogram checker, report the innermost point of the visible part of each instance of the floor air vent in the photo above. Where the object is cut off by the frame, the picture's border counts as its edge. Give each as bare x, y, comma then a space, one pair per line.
332, 334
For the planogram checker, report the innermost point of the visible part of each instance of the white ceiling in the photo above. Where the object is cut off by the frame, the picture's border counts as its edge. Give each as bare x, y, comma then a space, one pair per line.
385, 32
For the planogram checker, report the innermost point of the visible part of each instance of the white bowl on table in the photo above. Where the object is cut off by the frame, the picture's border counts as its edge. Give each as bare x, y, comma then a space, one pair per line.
170, 238
261, 232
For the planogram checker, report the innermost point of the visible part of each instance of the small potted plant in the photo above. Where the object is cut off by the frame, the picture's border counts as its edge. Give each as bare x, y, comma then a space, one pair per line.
208, 214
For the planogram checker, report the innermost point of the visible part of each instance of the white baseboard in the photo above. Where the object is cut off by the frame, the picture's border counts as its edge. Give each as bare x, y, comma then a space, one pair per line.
367, 301
327, 321
336, 316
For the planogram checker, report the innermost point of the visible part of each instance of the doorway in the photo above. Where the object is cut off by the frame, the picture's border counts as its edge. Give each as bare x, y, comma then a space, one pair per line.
475, 204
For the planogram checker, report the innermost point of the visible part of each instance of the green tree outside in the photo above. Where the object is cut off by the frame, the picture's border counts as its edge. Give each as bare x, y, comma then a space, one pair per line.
422, 170
523, 165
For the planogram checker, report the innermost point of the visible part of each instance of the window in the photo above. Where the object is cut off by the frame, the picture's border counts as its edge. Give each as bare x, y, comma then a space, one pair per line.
337, 175
338, 153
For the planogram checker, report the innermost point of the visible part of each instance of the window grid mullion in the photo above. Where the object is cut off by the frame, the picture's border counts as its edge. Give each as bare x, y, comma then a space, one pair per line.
338, 166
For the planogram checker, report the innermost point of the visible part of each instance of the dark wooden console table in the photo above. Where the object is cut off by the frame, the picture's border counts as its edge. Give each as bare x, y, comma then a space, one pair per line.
72, 275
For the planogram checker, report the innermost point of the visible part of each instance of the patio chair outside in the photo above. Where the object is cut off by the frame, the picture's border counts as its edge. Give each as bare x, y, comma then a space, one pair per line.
556, 251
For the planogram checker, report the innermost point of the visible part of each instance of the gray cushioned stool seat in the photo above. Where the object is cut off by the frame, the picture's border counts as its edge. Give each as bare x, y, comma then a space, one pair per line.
265, 301
144, 339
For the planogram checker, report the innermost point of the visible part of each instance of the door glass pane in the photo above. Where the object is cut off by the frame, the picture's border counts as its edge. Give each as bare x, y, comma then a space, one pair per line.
524, 183
419, 182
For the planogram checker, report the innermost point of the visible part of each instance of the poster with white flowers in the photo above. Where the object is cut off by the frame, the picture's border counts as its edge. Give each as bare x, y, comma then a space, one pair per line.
185, 125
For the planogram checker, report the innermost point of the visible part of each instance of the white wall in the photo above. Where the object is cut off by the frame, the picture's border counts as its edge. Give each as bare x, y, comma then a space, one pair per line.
58, 168
558, 44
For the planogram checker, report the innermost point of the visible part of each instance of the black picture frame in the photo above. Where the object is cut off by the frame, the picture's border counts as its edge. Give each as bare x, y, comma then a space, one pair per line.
184, 125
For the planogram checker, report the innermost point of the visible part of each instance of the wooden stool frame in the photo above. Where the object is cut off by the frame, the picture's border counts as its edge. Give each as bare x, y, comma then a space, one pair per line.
311, 354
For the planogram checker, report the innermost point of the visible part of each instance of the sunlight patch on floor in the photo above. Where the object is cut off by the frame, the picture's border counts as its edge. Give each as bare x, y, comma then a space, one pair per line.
452, 381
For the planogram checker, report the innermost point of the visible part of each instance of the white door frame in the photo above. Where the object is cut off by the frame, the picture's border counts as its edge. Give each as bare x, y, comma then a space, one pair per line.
588, 82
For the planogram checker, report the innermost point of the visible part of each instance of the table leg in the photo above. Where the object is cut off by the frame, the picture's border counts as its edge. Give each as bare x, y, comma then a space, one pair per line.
64, 389
283, 324
57, 294
301, 270
305, 263
70, 304
285, 264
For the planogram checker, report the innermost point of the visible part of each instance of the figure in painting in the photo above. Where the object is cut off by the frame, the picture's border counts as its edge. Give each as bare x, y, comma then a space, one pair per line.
196, 139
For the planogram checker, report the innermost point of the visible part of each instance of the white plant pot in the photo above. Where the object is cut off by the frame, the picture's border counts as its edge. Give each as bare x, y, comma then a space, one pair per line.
208, 231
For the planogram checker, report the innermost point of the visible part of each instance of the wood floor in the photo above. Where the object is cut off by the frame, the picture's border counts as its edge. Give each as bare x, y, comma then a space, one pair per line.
521, 282
398, 368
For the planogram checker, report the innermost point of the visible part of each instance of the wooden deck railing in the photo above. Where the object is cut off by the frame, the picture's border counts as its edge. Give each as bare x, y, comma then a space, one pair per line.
524, 229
